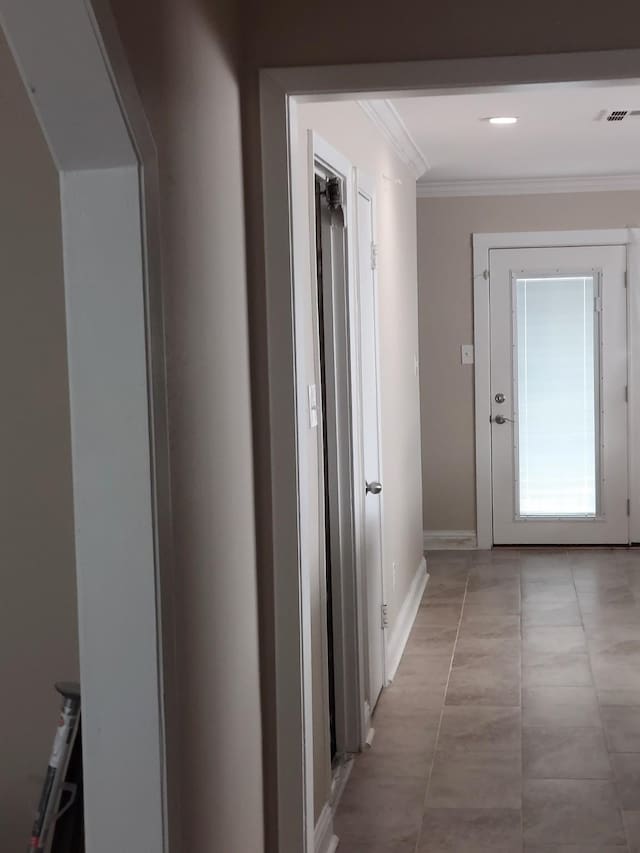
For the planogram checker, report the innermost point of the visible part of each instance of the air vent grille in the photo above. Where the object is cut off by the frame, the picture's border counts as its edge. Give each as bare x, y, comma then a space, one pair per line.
617, 115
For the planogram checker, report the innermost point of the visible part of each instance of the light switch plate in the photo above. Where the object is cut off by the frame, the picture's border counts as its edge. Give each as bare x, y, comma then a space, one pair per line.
313, 407
466, 353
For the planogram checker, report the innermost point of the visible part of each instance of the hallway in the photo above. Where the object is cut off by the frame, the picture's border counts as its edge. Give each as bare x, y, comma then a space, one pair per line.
513, 723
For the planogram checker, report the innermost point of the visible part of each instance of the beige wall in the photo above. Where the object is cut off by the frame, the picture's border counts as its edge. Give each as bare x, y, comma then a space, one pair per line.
345, 126
285, 32
445, 227
184, 56
38, 625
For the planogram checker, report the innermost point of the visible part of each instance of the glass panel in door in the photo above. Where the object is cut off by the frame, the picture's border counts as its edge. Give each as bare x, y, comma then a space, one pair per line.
556, 394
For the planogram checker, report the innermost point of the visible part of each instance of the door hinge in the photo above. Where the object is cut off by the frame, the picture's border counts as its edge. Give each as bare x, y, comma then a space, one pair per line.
626, 393
626, 278
628, 506
597, 304
384, 615
374, 256
485, 275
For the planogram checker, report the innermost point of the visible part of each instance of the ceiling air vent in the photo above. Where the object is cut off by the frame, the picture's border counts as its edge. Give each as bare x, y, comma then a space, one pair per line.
617, 115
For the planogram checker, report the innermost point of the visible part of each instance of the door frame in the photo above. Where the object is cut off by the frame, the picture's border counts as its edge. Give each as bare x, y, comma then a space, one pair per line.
482, 246
102, 148
347, 499
286, 273
366, 185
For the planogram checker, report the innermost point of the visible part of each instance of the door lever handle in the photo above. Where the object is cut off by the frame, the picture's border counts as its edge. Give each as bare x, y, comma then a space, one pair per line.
500, 419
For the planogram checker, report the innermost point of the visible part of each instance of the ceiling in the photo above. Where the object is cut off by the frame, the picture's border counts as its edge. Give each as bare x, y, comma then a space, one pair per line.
562, 132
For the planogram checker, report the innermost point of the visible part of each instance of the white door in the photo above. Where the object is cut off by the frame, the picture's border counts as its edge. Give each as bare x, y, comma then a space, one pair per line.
371, 439
558, 395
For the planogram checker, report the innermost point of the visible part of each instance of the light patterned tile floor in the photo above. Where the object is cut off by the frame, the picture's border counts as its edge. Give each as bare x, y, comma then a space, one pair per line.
513, 724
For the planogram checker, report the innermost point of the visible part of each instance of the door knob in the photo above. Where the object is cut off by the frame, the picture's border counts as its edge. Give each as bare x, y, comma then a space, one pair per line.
500, 419
374, 488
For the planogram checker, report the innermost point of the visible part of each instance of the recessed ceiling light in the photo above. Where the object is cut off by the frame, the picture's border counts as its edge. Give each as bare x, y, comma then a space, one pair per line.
503, 120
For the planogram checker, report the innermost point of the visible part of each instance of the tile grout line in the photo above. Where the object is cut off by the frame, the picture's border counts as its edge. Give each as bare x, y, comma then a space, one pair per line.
442, 709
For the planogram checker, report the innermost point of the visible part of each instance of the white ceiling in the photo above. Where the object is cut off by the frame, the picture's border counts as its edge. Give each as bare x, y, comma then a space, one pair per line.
558, 133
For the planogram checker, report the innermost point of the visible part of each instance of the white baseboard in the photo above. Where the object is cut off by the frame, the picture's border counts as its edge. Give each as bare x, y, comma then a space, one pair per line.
324, 841
405, 620
450, 540
339, 781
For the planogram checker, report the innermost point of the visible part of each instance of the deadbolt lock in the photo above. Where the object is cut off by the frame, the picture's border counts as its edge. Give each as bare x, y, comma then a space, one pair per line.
500, 398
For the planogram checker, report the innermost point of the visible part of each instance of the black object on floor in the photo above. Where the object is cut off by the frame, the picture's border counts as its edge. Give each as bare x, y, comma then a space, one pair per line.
60, 815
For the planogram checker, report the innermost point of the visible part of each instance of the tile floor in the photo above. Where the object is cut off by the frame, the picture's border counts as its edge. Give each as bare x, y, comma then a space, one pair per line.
513, 724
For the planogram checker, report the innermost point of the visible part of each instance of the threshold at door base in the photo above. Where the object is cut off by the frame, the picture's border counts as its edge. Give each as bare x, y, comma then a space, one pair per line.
450, 540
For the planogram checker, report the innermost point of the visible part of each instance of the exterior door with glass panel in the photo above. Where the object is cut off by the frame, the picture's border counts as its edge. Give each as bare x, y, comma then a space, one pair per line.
558, 395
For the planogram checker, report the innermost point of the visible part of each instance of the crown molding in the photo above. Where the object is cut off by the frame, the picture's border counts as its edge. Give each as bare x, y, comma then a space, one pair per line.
388, 121
527, 186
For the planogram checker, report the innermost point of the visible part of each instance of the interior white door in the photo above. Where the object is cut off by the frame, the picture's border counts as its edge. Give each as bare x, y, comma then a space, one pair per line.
558, 395
371, 443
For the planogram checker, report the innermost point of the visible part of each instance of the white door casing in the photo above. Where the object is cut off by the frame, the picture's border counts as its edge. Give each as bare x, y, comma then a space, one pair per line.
483, 244
372, 466
576, 302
